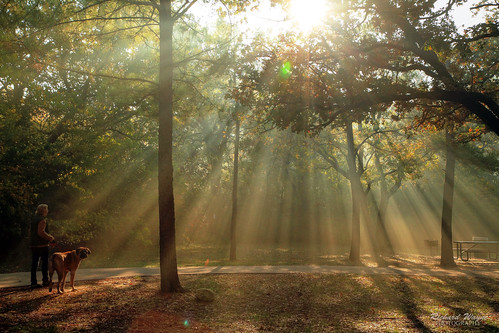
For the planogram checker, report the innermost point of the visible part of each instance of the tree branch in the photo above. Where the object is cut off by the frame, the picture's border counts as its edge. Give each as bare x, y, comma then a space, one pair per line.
331, 160
185, 7
102, 75
444, 11
485, 5
481, 105
150, 3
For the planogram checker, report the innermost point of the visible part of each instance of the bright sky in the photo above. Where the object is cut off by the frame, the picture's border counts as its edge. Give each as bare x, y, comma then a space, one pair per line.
464, 17
305, 14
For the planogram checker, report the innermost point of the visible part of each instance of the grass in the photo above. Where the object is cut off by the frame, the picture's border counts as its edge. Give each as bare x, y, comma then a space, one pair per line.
261, 303
218, 256
247, 256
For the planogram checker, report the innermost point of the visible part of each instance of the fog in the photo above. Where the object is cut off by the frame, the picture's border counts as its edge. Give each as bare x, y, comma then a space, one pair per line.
289, 205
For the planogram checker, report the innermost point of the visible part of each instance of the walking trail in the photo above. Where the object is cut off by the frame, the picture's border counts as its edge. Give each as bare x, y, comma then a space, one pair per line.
23, 278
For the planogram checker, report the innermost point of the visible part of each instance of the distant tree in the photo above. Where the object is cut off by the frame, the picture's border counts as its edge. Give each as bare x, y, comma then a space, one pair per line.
459, 127
447, 254
399, 155
387, 160
233, 218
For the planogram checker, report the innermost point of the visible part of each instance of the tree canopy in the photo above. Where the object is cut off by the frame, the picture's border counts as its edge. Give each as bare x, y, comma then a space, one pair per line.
404, 55
372, 89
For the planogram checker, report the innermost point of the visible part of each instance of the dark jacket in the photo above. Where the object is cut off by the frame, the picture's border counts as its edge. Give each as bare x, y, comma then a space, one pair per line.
36, 240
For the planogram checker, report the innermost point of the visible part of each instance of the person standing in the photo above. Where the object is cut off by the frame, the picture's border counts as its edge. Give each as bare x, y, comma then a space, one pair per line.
39, 243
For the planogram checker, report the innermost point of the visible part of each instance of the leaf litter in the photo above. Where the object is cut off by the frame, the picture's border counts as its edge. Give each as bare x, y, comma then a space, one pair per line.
260, 303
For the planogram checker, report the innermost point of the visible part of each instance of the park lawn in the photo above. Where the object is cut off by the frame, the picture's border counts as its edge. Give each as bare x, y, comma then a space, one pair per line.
214, 256
261, 303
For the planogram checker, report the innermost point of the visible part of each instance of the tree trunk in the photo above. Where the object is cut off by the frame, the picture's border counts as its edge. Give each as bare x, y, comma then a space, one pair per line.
167, 249
447, 256
233, 220
384, 244
356, 188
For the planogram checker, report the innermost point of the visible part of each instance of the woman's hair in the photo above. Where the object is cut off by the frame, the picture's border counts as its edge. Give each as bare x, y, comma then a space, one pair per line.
41, 208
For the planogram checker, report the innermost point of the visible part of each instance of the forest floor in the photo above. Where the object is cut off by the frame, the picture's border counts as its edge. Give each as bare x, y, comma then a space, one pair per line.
300, 302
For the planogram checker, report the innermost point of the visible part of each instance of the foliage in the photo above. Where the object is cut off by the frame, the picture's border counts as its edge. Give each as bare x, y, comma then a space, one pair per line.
79, 120
64, 130
374, 53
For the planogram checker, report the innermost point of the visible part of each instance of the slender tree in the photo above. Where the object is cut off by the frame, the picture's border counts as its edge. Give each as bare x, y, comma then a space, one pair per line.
447, 256
357, 192
233, 219
168, 254
383, 242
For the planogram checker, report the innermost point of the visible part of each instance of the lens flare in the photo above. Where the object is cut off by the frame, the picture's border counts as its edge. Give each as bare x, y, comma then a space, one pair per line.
285, 71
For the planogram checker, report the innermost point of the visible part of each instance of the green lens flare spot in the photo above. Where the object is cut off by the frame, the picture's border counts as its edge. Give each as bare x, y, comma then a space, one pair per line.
285, 71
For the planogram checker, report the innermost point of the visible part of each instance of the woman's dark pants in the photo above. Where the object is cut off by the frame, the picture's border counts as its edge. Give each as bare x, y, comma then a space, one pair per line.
40, 253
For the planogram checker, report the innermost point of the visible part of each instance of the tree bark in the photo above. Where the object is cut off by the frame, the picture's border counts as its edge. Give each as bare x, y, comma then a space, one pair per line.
168, 256
356, 188
233, 220
447, 255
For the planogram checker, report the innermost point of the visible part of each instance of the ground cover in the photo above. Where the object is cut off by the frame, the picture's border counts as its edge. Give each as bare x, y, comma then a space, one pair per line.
264, 303
247, 256
217, 256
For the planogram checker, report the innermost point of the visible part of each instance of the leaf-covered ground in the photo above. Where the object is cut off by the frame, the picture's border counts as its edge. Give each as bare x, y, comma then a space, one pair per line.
260, 303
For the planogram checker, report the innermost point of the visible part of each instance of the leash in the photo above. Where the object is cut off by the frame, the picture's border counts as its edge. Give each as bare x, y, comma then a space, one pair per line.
53, 247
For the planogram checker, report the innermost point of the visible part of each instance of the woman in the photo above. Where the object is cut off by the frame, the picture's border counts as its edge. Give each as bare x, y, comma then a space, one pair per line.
40, 239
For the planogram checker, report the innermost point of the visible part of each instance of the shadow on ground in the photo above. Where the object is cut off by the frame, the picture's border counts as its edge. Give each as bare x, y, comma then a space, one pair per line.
260, 302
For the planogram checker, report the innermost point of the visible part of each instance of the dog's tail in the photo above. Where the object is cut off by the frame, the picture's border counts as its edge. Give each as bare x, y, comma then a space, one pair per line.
51, 271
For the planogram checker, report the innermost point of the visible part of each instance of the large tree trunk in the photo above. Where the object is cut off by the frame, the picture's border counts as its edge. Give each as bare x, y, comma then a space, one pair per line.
167, 249
233, 220
447, 256
356, 189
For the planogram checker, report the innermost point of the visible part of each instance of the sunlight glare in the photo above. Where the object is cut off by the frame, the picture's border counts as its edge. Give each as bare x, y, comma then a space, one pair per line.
307, 13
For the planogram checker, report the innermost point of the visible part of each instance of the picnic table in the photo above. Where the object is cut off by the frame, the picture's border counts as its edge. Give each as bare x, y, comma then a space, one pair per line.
476, 245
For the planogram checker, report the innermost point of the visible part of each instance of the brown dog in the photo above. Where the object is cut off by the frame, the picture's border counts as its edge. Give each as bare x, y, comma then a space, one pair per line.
64, 262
